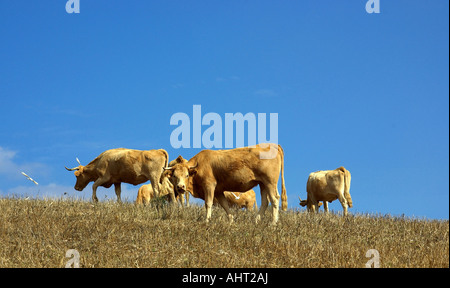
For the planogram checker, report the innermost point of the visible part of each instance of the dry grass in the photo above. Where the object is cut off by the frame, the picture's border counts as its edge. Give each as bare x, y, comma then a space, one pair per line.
37, 233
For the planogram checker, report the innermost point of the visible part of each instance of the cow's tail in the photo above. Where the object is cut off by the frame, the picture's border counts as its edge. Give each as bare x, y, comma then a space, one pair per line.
166, 163
283, 188
347, 180
167, 157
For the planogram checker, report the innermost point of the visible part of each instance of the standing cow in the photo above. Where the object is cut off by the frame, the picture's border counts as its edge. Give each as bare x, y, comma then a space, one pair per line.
215, 171
122, 165
328, 186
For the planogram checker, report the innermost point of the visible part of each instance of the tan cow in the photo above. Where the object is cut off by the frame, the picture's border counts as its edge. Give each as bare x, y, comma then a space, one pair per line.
328, 186
240, 200
180, 195
122, 165
215, 171
145, 192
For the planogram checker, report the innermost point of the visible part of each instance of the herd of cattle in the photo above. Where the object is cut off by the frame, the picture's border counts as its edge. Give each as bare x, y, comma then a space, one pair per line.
219, 177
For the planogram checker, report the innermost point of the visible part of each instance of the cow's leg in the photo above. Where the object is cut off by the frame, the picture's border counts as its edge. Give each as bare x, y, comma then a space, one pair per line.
224, 203
154, 180
187, 199
264, 202
155, 186
94, 193
272, 192
314, 204
209, 200
343, 203
97, 183
118, 191
325, 206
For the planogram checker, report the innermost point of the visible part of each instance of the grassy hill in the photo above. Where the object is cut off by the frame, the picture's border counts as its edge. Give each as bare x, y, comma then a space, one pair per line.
38, 233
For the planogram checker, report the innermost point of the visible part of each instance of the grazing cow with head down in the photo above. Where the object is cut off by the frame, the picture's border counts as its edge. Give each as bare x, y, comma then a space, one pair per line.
215, 171
328, 186
122, 165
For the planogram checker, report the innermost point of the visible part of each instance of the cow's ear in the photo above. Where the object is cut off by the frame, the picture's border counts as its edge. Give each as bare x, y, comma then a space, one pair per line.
179, 159
193, 170
79, 171
167, 172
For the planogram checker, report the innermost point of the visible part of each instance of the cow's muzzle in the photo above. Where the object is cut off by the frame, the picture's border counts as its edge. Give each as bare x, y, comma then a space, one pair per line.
181, 189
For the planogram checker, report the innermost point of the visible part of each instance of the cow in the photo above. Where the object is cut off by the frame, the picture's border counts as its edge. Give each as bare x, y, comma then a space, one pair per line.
328, 186
122, 165
145, 193
240, 200
215, 171
235, 199
180, 195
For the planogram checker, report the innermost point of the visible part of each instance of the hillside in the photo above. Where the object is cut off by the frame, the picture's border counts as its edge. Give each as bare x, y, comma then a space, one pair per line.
38, 233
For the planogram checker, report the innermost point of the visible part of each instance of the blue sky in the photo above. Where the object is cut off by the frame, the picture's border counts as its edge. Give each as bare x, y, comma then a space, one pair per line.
366, 91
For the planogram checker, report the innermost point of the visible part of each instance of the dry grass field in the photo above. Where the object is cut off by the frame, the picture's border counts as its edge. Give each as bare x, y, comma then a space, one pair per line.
37, 233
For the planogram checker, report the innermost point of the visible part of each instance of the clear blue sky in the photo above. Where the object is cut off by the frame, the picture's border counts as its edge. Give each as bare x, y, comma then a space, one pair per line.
366, 91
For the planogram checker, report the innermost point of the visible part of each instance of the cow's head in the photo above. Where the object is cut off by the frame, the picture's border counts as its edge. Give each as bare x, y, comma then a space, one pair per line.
82, 178
308, 203
179, 175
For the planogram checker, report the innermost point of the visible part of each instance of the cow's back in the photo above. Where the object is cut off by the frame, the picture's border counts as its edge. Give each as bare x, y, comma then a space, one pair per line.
319, 187
131, 166
328, 184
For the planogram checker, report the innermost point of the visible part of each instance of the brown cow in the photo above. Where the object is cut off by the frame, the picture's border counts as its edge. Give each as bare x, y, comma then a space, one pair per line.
235, 199
122, 165
145, 193
240, 200
328, 186
240, 169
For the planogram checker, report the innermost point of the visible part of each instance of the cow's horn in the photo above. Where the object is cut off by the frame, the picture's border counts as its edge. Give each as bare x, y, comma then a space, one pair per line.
72, 169
168, 168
